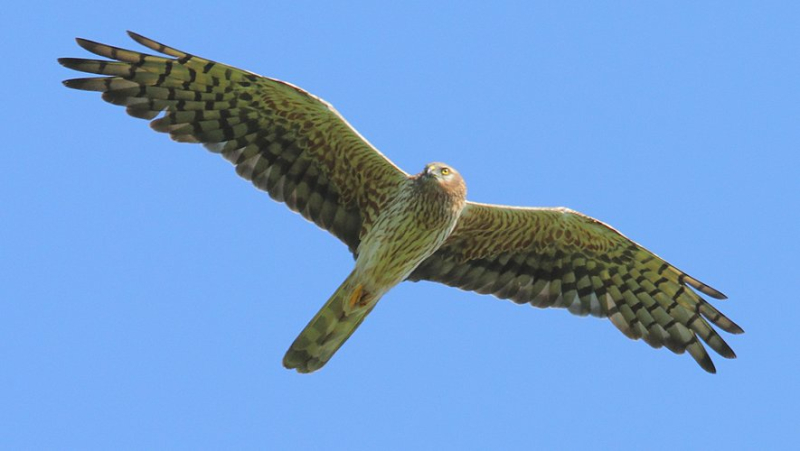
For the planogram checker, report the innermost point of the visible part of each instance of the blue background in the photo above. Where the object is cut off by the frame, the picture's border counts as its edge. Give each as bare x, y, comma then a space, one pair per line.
147, 294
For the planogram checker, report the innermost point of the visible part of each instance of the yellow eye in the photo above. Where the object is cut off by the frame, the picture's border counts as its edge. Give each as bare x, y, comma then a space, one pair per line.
445, 171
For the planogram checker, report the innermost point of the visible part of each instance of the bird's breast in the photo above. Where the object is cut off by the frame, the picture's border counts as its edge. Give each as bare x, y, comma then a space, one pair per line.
403, 236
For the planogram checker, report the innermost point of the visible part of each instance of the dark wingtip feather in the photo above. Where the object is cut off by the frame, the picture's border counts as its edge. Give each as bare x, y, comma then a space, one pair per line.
703, 288
707, 364
725, 351
86, 43
144, 40
74, 83
157, 46
147, 42
714, 293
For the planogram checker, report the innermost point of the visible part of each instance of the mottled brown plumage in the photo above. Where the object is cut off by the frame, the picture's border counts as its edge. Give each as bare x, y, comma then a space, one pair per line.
556, 257
421, 215
297, 148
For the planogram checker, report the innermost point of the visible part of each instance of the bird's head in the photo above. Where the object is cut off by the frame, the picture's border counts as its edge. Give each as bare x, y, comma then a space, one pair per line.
444, 176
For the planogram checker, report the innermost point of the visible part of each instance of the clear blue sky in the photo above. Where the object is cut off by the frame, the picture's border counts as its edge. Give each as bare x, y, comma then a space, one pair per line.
147, 294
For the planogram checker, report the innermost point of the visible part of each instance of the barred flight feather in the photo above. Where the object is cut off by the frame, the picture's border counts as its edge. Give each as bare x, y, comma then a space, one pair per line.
283, 139
559, 258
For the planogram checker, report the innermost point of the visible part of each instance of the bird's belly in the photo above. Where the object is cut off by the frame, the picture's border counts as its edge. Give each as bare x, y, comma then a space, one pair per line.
386, 259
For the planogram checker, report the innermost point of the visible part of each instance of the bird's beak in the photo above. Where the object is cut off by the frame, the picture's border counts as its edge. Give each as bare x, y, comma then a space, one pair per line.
429, 171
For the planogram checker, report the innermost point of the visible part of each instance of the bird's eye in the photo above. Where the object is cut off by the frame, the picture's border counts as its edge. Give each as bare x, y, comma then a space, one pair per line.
445, 171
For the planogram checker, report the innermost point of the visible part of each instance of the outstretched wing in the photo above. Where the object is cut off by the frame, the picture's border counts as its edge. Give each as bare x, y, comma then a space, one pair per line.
289, 143
556, 257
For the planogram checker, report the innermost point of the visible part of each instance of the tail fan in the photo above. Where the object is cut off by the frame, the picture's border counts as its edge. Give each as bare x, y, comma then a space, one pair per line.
330, 327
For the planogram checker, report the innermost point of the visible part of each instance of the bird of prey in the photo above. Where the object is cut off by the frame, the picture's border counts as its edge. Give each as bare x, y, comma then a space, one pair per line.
399, 227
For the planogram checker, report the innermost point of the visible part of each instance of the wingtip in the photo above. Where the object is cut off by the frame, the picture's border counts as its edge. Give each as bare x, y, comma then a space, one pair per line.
725, 351
713, 292
85, 43
73, 63
135, 36
701, 287
708, 365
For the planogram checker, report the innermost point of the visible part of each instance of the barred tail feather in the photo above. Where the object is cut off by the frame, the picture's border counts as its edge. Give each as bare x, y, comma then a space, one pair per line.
329, 328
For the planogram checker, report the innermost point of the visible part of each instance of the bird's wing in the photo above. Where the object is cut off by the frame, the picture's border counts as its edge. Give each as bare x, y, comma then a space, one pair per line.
556, 257
289, 143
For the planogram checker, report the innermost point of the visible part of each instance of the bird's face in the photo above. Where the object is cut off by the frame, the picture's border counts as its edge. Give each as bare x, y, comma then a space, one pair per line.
440, 172
445, 177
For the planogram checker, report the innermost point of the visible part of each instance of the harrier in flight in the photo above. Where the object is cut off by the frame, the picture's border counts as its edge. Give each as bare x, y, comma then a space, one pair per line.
298, 149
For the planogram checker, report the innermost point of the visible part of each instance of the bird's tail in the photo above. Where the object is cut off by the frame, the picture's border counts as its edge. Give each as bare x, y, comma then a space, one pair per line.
330, 327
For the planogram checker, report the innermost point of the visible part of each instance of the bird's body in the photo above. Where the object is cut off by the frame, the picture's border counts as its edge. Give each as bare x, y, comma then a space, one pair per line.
412, 226
298, 149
